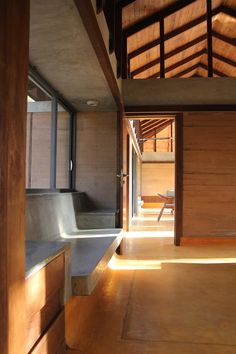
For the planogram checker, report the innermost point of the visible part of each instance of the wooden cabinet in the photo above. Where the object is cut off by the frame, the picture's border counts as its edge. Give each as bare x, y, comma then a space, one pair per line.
45, 309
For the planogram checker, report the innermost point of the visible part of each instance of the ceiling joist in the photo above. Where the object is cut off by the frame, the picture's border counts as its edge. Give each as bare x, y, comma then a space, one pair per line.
154, 125
159, 129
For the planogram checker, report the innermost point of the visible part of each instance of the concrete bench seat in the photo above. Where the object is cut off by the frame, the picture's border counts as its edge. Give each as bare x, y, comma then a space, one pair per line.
51, 217
89, 215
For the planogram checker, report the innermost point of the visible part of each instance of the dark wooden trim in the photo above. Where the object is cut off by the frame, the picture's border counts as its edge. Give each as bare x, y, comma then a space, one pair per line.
188, 70
231, 41
179, 147
174, 33
162, 48
167, 11
170, 54
224, 59
88, 17
110, 15
181, 62
209, 38
179, 108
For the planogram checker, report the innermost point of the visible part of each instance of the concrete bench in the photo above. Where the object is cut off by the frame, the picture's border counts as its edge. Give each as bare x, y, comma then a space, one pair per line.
88, 215
52, 217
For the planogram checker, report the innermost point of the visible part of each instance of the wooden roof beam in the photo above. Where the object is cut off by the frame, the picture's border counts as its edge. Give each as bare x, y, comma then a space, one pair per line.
175, 32
215, 71
170, 54
209, 38
155, 125
229, 40
224, 59
188, 70
180, 62
159, 129
124, 3
157, 16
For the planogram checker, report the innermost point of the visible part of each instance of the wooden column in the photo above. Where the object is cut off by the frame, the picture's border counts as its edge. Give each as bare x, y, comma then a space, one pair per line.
209, 39
14, 39
162, 49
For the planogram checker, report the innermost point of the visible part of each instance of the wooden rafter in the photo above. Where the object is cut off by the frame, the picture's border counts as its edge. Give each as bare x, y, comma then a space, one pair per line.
170, 54
157, 16
188, 70
182, 29
190, 58
222, 37
181, 62
215, 71
154, 125
158, 129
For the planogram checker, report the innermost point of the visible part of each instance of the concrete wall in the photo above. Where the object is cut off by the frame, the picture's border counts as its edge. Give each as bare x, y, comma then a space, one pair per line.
209, 180
96, 157
157, 178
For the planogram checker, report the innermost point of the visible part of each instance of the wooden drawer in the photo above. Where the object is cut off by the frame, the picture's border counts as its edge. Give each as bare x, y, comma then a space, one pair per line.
43, 299
53, 341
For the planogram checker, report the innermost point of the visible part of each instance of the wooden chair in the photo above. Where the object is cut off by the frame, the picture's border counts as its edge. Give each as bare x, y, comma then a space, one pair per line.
169, 203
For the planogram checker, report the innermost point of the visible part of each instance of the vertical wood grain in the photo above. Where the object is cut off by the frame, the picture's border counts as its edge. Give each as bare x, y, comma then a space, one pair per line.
14, 39
178, 179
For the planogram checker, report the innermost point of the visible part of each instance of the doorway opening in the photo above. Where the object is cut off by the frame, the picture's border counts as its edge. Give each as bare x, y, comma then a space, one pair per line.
152, 175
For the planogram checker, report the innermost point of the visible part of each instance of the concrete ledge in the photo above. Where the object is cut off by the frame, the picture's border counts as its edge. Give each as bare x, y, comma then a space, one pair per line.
90, 256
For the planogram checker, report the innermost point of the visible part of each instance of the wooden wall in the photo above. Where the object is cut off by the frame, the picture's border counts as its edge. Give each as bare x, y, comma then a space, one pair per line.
96, 157
157, 178
209, 174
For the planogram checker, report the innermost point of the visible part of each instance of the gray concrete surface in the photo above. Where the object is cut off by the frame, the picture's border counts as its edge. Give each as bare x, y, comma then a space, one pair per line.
61, 51
193, 91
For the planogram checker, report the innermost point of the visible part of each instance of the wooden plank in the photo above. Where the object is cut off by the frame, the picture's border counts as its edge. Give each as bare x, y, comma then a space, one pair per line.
170, 54
14, 42
229, 40
88, 17
178, 179
174, 33
188, 70
181, 62
54, 339
167, 11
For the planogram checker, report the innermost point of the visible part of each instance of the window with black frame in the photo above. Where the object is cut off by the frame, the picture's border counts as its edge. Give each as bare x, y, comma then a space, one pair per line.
49, 139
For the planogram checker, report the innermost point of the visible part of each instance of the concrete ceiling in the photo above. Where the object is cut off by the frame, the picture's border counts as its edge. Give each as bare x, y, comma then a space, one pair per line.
61, 52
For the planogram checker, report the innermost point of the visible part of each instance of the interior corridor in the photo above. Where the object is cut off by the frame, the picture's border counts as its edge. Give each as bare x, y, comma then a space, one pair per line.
158, 299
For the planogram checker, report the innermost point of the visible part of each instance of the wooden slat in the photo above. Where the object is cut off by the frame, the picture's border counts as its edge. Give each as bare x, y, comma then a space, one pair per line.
14, 43
174, 33
181, 62
170, 54
156, 17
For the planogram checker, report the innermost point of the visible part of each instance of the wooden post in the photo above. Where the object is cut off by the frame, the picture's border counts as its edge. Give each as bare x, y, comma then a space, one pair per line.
14, 41
162, 49
209, 39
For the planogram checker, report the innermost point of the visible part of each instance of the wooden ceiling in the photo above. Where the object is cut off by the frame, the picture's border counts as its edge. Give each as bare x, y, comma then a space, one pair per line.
172, 38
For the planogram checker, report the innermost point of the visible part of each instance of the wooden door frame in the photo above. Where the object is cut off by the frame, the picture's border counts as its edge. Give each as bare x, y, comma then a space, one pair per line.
178, 222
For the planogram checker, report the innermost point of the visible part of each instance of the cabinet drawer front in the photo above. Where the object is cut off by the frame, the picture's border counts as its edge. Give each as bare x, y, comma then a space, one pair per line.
54, 339
41, 285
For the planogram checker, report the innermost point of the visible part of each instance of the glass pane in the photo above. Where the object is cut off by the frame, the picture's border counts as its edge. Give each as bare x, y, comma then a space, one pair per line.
63, 142
38, 143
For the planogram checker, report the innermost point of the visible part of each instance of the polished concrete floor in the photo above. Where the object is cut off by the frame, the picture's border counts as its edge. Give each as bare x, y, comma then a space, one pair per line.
158, 299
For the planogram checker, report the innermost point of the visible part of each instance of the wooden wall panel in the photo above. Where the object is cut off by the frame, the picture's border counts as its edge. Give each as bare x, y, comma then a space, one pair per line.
14, 39
157, 178
209, 183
